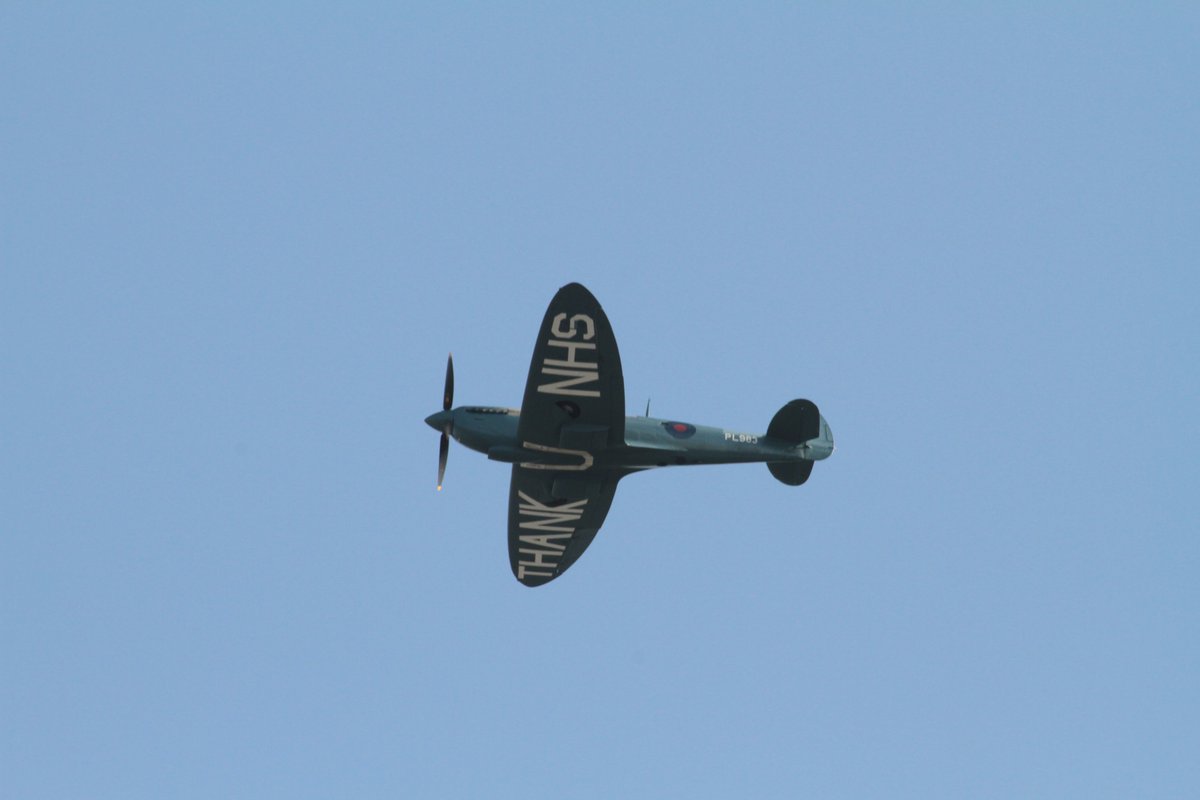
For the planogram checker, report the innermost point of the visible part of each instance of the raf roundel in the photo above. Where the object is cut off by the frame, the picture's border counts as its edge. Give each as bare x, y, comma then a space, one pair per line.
680, 430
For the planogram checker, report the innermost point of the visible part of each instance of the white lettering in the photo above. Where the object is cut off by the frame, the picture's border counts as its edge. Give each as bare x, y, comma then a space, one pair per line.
551, 516
570, 360
522, 572
573, 371
540, 556
573, 378
585, 458
544, 541
569, 332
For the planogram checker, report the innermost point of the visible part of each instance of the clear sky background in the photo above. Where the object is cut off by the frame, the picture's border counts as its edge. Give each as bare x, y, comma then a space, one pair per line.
237, 244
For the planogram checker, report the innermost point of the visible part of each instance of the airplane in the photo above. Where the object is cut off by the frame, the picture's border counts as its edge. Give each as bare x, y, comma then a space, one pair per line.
570, 442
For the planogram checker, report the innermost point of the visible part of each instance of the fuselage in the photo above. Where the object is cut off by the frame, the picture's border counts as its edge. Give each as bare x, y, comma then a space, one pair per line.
648, 442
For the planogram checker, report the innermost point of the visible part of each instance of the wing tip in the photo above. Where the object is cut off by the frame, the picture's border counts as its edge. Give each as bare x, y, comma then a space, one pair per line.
574, 287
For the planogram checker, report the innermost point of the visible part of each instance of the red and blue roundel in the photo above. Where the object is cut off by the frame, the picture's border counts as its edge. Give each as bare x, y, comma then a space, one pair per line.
680, 430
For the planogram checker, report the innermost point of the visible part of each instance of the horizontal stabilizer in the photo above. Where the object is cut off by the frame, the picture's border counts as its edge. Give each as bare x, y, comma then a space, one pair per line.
797, 422
793, 473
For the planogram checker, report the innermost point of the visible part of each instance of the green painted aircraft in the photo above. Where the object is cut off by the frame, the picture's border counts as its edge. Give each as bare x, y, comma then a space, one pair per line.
570, 442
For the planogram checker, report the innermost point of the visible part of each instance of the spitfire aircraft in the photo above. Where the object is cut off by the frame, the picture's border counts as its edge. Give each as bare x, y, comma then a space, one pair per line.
570, 442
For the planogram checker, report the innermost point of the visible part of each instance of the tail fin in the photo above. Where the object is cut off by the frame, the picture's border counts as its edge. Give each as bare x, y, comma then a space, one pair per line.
797, 422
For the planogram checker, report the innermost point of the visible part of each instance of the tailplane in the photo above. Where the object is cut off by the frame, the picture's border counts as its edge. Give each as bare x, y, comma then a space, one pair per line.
797, 422
793, 473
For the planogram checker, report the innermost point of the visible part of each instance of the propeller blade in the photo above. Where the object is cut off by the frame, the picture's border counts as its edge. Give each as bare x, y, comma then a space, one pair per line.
443, 452
447, 423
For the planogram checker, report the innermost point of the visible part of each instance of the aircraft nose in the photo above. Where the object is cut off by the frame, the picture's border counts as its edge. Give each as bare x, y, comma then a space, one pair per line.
438, 421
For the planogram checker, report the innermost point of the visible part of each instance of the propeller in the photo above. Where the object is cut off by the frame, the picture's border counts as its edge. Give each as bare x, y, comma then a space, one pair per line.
447, 401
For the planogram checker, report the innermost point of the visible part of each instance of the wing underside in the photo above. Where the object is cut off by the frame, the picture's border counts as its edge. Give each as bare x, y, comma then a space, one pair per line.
575, 375
552, 518
572, 411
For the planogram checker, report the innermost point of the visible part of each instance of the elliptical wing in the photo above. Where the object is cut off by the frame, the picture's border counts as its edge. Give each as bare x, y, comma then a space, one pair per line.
575, 375
552, 518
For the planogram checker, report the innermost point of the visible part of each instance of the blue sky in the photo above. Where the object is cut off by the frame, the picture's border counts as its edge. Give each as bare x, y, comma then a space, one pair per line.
237, 245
